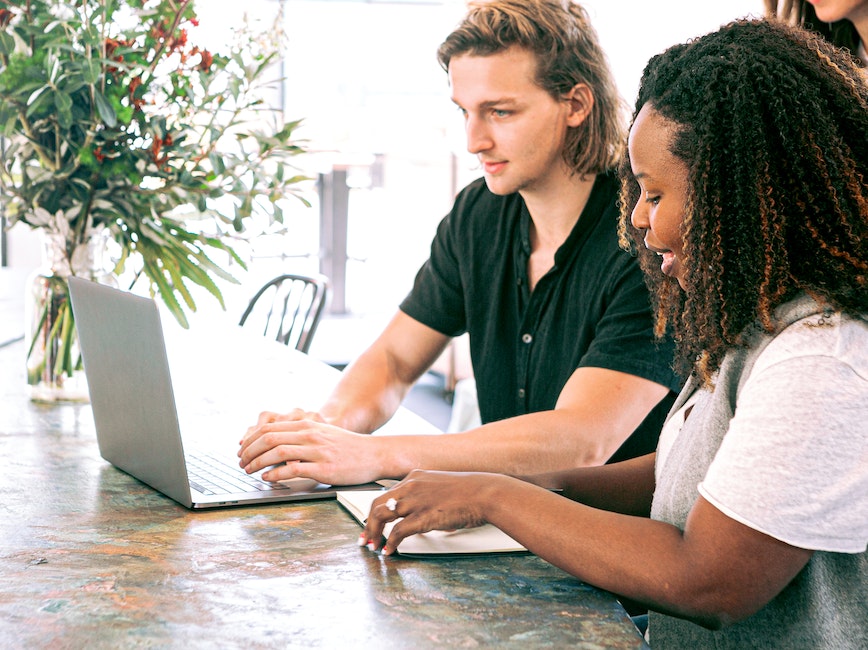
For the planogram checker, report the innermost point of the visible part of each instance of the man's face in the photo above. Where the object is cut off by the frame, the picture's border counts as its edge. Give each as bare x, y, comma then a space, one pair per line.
515, 128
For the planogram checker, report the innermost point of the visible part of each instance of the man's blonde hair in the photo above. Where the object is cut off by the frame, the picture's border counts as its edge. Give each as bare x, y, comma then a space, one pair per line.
561, 37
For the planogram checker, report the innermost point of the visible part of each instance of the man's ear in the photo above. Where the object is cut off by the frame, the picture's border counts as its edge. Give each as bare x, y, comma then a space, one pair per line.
581, 101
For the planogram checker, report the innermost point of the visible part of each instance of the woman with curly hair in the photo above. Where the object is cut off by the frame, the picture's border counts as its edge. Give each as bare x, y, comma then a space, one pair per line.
843, 22
745, 193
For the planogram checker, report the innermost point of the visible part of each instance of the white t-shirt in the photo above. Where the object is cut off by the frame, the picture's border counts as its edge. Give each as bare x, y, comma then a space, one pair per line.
800, 435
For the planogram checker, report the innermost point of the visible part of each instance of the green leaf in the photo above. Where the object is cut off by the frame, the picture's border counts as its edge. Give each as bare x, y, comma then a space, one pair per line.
217, 163
125, 115
105, 110
7, 43
156, 276
37, 105
36, 94
63, 104
90, 70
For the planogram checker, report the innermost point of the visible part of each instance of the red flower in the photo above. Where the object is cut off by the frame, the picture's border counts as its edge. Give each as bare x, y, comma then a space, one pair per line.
137, 102
156, 149
207, 61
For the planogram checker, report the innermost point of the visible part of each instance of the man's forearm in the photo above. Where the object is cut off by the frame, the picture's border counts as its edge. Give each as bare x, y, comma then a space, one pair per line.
372, 387
548, 441
364, 398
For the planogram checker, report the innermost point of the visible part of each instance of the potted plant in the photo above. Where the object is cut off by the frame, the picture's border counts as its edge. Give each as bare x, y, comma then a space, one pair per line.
120, 133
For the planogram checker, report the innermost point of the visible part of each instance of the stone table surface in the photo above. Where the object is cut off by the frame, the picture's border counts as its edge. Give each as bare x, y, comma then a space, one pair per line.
91, 558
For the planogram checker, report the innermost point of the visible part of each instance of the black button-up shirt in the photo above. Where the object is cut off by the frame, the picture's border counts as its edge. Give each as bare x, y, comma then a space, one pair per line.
591, 309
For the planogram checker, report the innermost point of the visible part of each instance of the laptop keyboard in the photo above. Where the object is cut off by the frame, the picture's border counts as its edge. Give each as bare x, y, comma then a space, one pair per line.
210, 474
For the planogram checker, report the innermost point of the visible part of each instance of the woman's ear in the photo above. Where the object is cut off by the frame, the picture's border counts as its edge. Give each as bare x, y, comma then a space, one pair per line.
581, 101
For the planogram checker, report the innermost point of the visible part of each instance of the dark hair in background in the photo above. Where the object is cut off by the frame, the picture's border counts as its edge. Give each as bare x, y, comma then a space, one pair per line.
800, 12
560, 35
771, 122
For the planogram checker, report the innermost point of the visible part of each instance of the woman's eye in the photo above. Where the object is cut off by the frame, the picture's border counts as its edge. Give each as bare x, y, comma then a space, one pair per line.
653, 200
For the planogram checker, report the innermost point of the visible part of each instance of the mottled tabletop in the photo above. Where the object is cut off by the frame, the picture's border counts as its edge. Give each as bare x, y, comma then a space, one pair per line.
91, 558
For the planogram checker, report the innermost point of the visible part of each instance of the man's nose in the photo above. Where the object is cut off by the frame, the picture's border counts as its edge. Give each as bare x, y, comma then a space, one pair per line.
478, 137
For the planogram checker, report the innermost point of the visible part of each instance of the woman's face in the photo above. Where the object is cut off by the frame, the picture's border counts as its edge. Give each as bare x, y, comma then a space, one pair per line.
830, 11
662, 180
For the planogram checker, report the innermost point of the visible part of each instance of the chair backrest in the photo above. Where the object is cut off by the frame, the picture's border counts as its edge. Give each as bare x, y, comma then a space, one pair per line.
289, 308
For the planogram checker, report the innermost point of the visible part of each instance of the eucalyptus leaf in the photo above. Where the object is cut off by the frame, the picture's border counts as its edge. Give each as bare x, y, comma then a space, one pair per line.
7, 44
105, 109
90, 71
36, 94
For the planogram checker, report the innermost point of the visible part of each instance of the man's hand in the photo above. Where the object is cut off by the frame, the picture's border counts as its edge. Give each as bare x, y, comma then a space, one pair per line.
309, 448
266, 417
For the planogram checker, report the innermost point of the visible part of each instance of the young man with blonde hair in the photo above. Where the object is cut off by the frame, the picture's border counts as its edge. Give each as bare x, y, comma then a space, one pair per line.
527, 262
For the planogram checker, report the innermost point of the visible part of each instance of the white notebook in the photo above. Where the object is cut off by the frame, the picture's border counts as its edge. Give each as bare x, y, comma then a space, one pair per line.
466, 541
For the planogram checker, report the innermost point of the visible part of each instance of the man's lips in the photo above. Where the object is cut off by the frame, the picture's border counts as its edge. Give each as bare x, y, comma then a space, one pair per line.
493, 167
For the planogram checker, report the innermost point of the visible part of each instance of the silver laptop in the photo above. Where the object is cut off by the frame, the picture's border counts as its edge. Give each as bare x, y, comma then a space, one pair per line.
135, 415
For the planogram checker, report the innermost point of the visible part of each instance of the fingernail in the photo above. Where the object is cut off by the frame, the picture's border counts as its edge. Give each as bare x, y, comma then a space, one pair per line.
372, 546
362, 540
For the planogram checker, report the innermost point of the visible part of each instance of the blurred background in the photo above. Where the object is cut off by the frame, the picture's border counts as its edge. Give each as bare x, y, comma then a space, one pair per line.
387, 143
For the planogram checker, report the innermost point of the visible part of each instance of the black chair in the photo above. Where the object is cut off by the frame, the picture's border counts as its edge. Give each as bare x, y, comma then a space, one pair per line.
289, 308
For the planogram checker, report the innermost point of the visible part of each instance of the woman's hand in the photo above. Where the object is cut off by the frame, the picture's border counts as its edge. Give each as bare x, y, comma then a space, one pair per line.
429, 500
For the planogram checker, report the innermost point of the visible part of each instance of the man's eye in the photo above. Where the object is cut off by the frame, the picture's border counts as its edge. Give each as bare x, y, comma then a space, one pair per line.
500, 113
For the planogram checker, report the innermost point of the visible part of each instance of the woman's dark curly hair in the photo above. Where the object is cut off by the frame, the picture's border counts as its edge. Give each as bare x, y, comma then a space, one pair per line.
772, 124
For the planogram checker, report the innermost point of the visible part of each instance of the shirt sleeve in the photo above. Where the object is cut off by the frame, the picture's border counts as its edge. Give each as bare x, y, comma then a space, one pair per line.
794, 462
437, 296
624, 334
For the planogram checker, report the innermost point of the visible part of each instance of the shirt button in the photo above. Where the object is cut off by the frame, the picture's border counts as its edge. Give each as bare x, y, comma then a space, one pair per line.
521, 393
526, 338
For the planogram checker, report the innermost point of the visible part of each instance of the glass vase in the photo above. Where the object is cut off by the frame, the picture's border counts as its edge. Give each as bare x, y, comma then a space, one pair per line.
54, 368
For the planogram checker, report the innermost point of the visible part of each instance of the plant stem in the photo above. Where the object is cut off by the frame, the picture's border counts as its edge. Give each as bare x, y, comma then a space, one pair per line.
159, 51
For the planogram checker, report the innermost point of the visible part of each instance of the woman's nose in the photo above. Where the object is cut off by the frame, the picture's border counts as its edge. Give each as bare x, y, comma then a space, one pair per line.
639, 216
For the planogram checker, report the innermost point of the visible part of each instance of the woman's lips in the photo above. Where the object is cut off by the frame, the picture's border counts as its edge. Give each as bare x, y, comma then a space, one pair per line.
668, 262
667, 257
